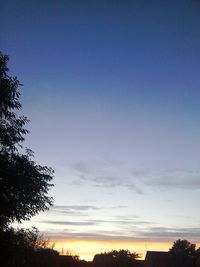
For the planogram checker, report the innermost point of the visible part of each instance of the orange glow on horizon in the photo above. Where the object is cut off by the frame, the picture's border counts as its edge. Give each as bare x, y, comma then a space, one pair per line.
87, 249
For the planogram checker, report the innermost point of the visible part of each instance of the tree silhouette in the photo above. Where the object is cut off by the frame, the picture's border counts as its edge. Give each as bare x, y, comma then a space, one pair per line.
23, 184
116, 258
25, 248
184, 253
183, 247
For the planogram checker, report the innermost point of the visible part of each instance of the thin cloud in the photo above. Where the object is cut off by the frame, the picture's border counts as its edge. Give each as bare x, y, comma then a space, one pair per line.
107, 181
101, 174
99, 221
75, 207
153, 234
124, 222
113, 182
81, 166
180, 179
167, 234
73, 210
83, 223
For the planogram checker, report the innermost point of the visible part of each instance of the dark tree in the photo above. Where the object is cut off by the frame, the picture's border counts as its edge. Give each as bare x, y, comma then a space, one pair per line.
125, 254
11, 126
116, 258
183, 247
184, 253
46, 257
23, 184
25, 248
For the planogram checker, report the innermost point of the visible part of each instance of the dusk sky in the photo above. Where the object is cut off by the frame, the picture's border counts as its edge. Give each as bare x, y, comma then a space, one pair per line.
112, 91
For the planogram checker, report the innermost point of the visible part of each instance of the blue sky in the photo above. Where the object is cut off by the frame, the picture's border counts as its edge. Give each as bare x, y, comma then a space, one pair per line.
112, 92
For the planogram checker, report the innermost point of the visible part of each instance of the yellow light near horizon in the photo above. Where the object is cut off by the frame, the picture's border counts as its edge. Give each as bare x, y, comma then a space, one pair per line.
87, 249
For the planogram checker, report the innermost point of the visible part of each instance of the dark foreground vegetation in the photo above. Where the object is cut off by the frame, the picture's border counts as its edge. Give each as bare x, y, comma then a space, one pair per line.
24, 185
181, 254
27, 248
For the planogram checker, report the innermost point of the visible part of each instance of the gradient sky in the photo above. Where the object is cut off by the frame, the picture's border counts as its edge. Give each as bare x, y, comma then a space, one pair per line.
112, 91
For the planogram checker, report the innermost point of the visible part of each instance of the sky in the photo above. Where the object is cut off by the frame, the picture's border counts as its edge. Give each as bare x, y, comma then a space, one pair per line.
112, 91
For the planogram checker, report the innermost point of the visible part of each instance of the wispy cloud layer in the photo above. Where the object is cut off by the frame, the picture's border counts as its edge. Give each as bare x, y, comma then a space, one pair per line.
122, 223
119, 229
79, 223
181, 179
75, 207
154, 234
135, 179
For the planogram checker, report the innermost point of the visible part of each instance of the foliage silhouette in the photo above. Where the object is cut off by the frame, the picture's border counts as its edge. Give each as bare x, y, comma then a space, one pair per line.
184, 251
117, 258
184, 247
24, 247
27, 248
23, 184
11, 126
